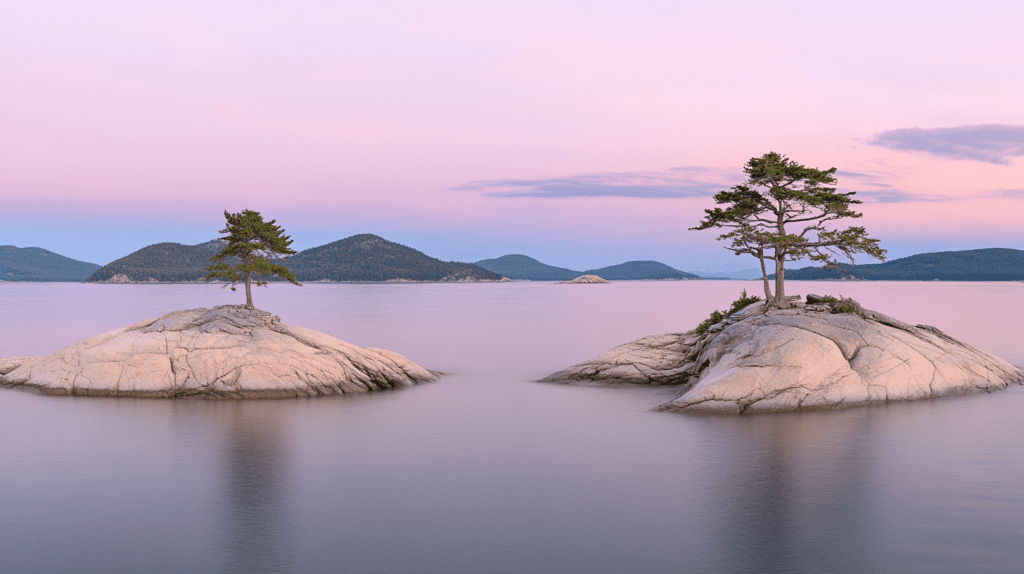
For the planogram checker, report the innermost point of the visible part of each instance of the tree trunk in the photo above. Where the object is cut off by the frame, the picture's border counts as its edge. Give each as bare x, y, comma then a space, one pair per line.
780, 285
248, 291
767, 286
780, 260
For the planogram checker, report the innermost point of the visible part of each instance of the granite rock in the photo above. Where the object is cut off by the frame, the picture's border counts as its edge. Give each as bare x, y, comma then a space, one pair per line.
586, 279
224, 352
771, 360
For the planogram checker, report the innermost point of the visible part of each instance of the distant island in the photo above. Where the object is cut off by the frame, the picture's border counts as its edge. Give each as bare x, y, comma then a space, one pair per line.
362, 257
521, 267
996, 264
37, 264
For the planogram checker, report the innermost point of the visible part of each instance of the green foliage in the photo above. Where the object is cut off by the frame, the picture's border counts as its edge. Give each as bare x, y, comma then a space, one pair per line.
845, 305
718, 316
254, 243
742, 302
841, 305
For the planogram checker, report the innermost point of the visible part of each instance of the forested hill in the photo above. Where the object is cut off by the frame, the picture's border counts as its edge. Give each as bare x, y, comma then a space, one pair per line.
523, 267
996, 264
367, 257
358, 258
517, 266
163, 262
633, 270
37, 264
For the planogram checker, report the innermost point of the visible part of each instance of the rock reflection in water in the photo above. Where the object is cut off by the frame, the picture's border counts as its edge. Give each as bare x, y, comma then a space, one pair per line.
795, 493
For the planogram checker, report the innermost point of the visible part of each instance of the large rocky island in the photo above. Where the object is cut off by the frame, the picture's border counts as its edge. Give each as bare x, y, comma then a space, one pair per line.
227, 352
808, 357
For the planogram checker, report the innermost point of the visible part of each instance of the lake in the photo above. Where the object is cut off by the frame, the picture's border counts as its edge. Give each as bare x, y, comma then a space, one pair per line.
486, 470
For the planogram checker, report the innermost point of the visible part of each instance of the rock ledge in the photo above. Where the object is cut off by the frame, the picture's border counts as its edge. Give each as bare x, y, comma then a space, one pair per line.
226, 352
805, 358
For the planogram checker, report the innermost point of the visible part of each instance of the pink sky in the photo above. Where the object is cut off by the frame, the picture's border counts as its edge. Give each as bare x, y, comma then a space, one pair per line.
581, 133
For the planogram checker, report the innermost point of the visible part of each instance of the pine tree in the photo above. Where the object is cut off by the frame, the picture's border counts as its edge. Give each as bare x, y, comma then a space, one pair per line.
255, 244
763, 216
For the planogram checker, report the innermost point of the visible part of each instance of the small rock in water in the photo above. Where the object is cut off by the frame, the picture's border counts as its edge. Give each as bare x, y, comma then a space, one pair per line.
585, 279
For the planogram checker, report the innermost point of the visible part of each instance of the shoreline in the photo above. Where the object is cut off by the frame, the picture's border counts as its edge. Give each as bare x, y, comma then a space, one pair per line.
401, 281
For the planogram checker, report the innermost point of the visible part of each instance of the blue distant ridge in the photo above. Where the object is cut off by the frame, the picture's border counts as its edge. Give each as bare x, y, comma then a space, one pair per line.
994, 264
637, 270
521, 267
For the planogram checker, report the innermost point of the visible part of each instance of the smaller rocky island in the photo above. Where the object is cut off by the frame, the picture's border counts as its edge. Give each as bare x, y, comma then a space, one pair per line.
228, 352
823, 354
585, 279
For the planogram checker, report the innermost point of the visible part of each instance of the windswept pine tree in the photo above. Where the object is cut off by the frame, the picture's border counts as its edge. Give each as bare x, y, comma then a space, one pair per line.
781, 213
256, 244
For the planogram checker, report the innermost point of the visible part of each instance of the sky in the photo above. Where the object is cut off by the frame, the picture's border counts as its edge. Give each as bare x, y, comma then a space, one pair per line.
583, 134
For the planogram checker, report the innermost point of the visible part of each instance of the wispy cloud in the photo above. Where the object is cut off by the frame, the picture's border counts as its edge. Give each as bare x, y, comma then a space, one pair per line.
699, 181
991, 143
884, 193
685, 181
1008, 193
887, 194
875, 187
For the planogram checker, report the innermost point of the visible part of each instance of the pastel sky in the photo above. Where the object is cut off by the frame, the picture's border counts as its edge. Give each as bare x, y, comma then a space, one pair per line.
580, 133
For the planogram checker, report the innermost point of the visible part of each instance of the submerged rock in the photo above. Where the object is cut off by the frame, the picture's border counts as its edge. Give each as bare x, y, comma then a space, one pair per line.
586, 279
803, 358
225, 352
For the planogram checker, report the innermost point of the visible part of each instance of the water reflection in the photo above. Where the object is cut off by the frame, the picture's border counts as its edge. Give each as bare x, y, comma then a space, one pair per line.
254, 490
487, 471
795, 493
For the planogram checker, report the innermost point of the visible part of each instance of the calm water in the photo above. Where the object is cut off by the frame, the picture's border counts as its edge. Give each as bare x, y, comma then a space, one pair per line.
487, 471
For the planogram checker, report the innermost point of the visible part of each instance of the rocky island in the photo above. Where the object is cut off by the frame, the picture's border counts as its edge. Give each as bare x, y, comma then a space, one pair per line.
227, 352
585, 279
814, 356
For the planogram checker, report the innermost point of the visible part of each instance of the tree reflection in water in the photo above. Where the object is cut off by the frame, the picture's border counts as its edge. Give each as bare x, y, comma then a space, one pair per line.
255, 497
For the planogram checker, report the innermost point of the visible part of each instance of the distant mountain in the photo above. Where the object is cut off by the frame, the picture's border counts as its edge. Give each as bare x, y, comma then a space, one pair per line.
633, 270
995, 264
37, 264
163, 262
367, 257
523, 267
